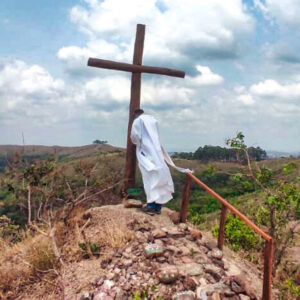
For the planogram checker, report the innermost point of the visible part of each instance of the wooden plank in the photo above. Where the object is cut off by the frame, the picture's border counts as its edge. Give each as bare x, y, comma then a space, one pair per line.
112, 65
222, 227
130, 167
230, 207
185, 200
267, 284
139, 44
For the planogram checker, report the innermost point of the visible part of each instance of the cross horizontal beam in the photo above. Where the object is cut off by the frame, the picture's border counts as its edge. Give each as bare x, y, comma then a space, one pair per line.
112, 65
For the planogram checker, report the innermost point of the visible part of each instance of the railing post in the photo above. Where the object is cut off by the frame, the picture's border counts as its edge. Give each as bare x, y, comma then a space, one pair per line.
268, 256
185, 199
222, 227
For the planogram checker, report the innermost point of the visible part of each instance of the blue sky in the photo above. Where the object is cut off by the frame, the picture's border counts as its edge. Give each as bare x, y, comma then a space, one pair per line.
241, 58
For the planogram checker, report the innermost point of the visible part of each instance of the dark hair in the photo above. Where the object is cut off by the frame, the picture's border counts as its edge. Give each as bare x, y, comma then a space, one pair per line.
138, 111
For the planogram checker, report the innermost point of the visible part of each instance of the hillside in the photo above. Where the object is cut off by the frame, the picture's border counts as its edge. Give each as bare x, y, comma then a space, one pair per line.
93, 181
186, 261
31, 152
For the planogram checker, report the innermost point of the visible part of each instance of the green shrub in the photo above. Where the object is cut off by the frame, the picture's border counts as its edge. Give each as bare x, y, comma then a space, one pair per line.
196, 219
238, 234
292, 288
95, 249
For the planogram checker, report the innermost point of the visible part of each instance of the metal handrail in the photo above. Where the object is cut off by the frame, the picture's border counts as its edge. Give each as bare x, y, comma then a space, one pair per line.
269, 245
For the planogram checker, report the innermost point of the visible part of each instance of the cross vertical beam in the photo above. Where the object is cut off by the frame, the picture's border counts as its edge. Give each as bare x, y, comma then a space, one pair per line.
130, 167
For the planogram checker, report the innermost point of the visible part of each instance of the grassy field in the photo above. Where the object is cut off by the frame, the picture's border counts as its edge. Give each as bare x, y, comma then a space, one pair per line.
33, 152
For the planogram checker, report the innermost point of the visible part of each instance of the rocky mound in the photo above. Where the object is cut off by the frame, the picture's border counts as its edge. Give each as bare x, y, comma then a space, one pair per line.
162, 261
150, 257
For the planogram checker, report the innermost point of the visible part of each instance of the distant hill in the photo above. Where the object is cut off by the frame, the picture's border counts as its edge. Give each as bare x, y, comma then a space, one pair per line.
278, 154
32, 152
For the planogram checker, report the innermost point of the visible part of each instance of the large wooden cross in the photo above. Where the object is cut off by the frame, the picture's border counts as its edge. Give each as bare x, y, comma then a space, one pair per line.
136, 68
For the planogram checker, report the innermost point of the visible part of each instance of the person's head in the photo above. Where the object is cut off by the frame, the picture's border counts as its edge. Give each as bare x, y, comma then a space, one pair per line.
138, 112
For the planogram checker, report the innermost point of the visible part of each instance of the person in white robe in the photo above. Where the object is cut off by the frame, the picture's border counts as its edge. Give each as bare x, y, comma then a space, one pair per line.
152, 158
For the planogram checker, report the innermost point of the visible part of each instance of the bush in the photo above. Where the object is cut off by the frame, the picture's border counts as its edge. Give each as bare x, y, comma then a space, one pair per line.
238, 234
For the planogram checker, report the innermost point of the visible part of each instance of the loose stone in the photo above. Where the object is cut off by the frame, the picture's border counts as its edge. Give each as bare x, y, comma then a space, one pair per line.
217, 253
153, 250
201, 294
196, 234
132, 203
158, 234
167, 274
185, 295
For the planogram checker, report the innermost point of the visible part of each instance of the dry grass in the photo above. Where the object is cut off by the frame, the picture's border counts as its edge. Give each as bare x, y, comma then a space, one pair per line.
114, 235
24, 263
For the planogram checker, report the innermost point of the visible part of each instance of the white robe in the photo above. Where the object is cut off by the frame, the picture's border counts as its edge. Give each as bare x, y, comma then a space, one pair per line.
158, 183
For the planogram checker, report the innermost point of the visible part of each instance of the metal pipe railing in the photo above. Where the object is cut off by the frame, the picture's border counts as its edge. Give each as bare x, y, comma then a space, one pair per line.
269, 245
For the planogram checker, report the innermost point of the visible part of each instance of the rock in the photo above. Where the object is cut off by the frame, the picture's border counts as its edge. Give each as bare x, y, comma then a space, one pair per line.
159, 242
120, 295
174, 216
226, 265
185, 295
218, 287
153, 250
184, 251
183, 226
201, 294
195, 234
213, 270
210, 244
215, 296
127, 262
86, 296
191, 269
244, 297
173, 233
194, 249
167, 274
173, 249
158, 234
186, 259
128, 250
209, 278
218, 262
110, 275
132, 203
161, 259
190, 283
140, 237
126, 255
217, 253
236, 287
99, 282
244, 285
102, 296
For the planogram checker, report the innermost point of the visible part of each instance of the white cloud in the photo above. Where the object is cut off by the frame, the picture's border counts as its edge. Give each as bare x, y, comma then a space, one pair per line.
182, 30
286, 11
283, 12
22, 85
246, 99
205, 78
272, 89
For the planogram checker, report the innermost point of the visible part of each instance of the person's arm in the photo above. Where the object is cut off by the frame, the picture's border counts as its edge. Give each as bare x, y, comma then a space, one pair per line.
136, 132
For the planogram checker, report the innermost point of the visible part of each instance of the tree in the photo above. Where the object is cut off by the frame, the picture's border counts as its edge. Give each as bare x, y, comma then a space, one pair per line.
99, 142
281, 199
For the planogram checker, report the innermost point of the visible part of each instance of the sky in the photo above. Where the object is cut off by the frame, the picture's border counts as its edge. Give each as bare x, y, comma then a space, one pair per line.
241, 58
